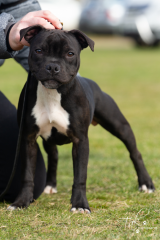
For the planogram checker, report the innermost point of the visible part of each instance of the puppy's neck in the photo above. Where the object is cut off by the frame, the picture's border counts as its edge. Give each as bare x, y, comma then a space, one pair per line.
65, 88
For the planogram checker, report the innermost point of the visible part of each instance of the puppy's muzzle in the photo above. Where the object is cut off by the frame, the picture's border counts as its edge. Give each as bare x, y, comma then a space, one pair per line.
52, 68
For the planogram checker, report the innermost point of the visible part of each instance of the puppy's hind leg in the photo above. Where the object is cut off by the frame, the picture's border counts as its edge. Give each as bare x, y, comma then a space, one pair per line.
108, 115
51, 183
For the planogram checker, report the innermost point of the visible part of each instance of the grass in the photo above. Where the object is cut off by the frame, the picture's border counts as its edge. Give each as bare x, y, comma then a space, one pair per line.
132, 77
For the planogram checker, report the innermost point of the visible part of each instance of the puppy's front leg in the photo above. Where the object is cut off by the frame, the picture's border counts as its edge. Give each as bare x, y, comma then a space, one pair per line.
51, 183
28, 157
80, 154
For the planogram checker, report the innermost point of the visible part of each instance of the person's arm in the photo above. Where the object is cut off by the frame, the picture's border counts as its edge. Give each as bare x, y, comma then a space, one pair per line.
6, 20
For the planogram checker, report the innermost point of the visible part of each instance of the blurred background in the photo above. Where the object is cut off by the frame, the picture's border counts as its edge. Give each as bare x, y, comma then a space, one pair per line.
137, 19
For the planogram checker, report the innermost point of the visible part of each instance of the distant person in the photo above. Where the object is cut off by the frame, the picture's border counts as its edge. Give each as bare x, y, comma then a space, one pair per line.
14, 16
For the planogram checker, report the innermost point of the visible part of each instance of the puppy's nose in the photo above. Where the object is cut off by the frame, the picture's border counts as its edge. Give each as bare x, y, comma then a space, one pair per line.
53, 68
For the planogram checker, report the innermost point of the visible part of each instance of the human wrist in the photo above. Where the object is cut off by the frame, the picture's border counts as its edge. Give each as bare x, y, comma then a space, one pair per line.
13, 38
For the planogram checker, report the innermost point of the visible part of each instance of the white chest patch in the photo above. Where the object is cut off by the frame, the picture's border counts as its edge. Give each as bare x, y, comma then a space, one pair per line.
49, 113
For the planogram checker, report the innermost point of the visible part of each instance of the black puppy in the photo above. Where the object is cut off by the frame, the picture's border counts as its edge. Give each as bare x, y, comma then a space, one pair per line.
60, 107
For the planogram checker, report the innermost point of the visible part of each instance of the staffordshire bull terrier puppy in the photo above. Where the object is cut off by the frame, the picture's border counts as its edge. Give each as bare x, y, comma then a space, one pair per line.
60, 106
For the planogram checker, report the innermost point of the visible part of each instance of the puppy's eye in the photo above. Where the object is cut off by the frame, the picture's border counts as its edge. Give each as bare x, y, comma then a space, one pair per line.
70, 54
38, 51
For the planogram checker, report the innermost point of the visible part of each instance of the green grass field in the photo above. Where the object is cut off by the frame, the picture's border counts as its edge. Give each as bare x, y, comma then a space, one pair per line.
132, 77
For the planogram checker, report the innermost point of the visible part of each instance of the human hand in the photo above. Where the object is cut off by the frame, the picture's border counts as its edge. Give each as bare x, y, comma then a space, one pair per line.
43, 17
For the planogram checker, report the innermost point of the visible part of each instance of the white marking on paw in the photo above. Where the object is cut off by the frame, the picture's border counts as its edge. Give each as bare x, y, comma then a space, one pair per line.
11, 208
144, 188
50, 190
81, 210
73, 209
150, 190
87, 211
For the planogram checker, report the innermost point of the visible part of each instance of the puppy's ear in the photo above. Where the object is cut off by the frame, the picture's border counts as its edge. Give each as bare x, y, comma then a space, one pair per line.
83, 39
29, 32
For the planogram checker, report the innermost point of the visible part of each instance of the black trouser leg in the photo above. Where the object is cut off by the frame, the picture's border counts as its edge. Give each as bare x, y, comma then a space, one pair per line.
8, 142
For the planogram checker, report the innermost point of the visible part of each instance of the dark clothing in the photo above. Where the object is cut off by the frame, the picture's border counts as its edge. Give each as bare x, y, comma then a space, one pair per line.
6, 2
8, 142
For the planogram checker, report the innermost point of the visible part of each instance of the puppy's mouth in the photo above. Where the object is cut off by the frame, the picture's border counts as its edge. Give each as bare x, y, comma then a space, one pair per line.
51, 84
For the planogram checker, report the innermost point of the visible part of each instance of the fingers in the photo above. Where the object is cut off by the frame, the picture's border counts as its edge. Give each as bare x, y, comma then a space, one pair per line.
44, 15
31, 22
41, 21
44, 18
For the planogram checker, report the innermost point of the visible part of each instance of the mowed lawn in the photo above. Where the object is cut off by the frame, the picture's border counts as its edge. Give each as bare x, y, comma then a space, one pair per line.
132, 77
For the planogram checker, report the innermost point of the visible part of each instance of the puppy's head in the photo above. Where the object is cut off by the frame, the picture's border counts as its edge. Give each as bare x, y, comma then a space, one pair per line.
54, 57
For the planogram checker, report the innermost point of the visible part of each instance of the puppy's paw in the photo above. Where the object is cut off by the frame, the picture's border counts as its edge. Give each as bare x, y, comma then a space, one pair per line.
146, 189
20, 204
145, 183
23, 200
50, 190
79, 201
11, 208
80, 210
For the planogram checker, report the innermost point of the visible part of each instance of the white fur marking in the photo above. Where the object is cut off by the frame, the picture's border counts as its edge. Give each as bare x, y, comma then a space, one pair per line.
49, 113
80, 210
73, 210
11, 208
87, 211
50, 190
150, 190
144, 188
